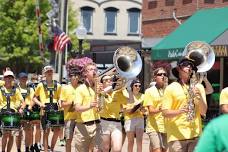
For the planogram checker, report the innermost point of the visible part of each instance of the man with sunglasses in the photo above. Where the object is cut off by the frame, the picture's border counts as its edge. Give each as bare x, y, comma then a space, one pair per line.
67, 98
155, 121
183, 104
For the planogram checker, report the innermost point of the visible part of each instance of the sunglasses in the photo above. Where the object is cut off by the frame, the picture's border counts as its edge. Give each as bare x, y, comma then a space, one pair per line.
161, 74
137, 85
185, 64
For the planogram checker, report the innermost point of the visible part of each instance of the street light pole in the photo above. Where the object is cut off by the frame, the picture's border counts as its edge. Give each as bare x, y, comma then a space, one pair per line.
80, 42
81, 33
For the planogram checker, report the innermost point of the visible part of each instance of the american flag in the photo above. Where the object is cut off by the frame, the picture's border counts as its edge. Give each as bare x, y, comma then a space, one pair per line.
60, 39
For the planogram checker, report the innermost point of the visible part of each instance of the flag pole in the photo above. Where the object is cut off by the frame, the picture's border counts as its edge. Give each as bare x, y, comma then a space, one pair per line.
41, 46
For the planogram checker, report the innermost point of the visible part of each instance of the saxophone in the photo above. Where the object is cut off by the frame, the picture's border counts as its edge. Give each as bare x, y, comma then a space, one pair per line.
98, 95
191, 105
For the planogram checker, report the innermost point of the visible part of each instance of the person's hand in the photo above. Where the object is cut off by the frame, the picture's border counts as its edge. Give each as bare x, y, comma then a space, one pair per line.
42, 105
93, 104
21, 111
183, 110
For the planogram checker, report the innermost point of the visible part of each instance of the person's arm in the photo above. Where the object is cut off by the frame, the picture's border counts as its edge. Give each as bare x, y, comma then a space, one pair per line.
82, 108
35, 99
199, 93
153, 110
208, 87
173, 113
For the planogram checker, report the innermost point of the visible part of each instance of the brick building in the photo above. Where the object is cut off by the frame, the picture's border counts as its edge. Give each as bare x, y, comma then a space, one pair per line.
158, 16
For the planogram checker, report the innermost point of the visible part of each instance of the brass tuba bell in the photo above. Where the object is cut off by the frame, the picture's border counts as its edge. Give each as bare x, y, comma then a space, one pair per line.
127, 65
202, 53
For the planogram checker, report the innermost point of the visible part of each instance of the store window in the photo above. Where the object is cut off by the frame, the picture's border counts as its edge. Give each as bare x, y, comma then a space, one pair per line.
87, 18
133, 21
110, 20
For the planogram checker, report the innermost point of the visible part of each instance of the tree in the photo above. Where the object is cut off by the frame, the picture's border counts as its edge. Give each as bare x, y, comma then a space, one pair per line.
19, 45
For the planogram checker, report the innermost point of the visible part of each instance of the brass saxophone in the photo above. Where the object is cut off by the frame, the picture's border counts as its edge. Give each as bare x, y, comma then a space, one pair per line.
191, 105
99, 97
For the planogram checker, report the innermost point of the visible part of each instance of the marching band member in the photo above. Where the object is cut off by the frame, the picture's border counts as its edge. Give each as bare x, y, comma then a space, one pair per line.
134, 120
88, 128
223, 101
44, 95
67, 98
110, 117
10, 99
155, 120
35, 108
27, 93
183, 104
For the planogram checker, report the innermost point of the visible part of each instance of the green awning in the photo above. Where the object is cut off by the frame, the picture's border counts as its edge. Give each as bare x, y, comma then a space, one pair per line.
204, 25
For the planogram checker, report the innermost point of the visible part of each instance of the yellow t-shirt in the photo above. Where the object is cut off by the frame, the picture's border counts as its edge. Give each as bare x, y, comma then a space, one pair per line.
112, 105
29, 97
137, 114
155, 122
68, 94
44, 94
224, 96
84, 95
15, 99
178, 128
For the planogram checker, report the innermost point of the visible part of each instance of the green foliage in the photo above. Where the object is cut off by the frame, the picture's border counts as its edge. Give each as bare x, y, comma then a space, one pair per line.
72, 25
19, 44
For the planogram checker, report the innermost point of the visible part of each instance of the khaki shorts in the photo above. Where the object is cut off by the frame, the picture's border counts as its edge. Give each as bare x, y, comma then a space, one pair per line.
183, 145
157, 140
69, 129
132, 124
87, 135
11, 132
110, 126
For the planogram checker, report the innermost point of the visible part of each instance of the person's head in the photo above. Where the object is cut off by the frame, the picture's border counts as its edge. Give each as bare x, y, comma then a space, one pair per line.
160, 75
8, 77
23, 77
90, 71
74, 76
48, 71
184, 68
135, 85
106, 80
34, 78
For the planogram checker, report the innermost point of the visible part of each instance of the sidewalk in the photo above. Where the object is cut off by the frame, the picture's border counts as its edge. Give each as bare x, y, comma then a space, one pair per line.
59, 148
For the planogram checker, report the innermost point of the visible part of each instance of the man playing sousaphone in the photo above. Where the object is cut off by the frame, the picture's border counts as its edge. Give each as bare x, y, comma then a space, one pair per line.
110, 115
183, 104
48, 93
11, 102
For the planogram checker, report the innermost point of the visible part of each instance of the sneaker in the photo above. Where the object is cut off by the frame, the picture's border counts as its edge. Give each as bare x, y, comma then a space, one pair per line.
36, 148
62, 142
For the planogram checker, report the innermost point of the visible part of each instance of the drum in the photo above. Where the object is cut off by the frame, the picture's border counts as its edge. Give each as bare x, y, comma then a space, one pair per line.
31, 115
55, 118
10, 121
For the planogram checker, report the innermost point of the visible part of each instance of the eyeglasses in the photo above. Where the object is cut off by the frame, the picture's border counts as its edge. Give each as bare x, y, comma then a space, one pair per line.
137, 85
160, 74
186, 64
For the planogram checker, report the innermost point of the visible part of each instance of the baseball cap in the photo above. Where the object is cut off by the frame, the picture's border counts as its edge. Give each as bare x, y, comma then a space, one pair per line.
8, 73
48, 68
22, 75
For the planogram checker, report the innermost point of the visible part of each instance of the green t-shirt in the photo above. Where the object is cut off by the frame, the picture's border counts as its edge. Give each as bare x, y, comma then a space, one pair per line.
215, 136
